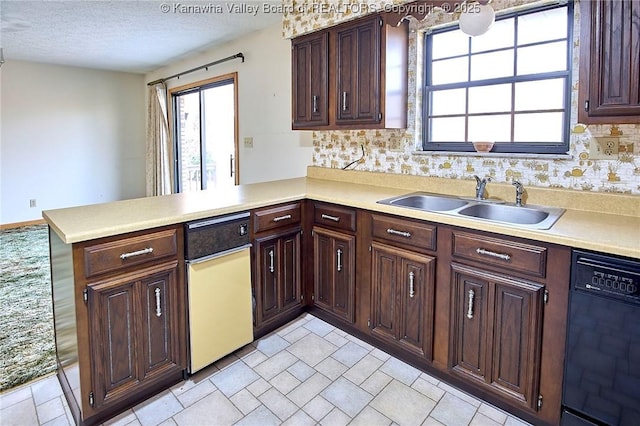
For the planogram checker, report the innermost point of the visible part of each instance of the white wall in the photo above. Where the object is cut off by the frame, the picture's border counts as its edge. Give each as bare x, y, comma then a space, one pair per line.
69, 136
264, 103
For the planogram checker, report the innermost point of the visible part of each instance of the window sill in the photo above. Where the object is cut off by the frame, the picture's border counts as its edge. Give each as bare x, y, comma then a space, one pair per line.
496, 154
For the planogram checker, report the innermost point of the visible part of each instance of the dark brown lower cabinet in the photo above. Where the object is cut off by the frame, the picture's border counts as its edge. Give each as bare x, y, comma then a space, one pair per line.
334, 272
278, 274
496, 333
402, 298
132, 323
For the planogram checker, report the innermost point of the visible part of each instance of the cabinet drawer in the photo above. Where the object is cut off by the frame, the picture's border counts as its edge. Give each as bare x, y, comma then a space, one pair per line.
506, 254
403, 231
119, 254
276, 217
332, 216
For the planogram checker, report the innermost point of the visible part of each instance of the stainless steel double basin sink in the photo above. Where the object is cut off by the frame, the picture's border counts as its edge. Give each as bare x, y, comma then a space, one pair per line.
497, 211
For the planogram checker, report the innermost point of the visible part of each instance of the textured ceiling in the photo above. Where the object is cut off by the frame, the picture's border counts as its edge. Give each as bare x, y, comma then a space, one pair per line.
124, 35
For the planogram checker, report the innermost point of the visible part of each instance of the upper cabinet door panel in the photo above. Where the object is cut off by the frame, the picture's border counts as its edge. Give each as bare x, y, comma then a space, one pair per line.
310, 76
609, 62
358, 85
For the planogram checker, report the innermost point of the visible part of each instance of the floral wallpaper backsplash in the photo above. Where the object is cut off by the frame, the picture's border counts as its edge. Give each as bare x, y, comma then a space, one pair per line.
395, 151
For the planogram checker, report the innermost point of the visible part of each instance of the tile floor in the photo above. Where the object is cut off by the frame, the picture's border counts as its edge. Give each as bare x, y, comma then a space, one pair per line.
306, 373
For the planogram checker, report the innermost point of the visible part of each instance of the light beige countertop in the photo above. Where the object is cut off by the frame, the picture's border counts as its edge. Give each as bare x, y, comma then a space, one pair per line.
607, 223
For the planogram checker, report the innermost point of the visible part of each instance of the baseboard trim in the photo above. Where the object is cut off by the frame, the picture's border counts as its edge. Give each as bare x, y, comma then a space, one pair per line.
19, 224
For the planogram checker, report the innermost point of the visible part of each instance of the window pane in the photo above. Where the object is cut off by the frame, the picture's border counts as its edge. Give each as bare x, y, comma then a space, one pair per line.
450, 43
492, 65
543, 127
495, 98
542, 58
446, 102
542, 94
449, 71
447, 129
541, 26
495, 128
188, 132
499, 36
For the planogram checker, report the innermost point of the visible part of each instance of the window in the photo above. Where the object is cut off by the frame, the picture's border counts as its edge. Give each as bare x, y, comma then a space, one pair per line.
204, 117
511, 85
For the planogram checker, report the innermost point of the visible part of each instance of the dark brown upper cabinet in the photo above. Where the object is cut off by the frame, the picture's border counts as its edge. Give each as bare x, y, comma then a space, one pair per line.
609, 90
352, 76
310, 74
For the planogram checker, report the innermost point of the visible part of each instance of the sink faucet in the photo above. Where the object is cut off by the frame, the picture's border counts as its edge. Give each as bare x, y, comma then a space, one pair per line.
519, 192
480, 185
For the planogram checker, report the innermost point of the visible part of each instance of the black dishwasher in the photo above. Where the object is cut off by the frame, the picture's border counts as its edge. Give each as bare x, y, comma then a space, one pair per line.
602, 363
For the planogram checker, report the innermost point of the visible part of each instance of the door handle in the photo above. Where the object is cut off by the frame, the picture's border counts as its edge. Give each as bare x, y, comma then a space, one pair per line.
231, 164
158, 303
344, 101
271, 267
412, 291
470, 307
339, 257
315, 103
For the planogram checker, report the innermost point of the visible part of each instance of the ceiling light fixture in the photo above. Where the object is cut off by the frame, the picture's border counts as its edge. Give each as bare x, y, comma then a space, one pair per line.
476, 17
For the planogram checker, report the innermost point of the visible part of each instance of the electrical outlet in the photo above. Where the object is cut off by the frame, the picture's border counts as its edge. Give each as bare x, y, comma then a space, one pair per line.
32, 202
248, 142
395, 143
603, 148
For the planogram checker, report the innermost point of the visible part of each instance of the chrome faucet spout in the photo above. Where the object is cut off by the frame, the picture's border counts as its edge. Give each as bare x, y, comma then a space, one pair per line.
480, 186
519, 192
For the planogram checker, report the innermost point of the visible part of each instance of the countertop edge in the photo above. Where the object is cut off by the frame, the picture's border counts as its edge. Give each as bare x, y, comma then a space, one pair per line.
570, 230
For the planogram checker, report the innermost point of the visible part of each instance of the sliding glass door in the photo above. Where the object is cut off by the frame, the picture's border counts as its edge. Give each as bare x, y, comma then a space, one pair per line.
205, 123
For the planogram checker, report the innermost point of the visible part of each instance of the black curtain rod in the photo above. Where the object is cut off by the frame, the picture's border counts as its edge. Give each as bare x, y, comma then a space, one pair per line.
219, 61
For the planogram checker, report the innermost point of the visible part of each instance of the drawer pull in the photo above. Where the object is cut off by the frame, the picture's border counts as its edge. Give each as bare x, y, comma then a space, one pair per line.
333, 218
411, 282
339, 256
271, 267
147, 250
158, 308
400, 233
490, 253
279, 218
470, 308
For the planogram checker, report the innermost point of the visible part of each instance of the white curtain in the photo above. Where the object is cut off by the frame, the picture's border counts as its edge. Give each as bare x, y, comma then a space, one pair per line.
160, 173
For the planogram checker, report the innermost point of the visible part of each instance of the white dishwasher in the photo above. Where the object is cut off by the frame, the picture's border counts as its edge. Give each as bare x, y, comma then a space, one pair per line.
217, 252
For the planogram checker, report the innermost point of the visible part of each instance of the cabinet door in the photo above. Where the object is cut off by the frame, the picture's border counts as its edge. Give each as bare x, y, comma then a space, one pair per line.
416, 277
113, 316
159, 332
310, 73
497, 332
610, 62
383, 292
469, 322
358, 73
334, 269
402, 298
267, 278
344, 277
289, 269
134, 332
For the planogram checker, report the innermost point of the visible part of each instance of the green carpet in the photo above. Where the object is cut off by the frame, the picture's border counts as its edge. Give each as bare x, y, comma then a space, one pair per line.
26, 319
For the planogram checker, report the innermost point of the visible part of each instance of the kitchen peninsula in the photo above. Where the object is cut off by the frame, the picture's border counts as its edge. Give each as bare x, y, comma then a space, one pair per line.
86, 278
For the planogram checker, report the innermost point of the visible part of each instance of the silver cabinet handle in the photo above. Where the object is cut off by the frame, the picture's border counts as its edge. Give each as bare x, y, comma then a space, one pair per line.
271, 267
472, 294
147, 250
490, 253
339, 257
333, 218
405, 234
158, 308
279, 218
315, 103
344, 101
230, 165
411, 283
